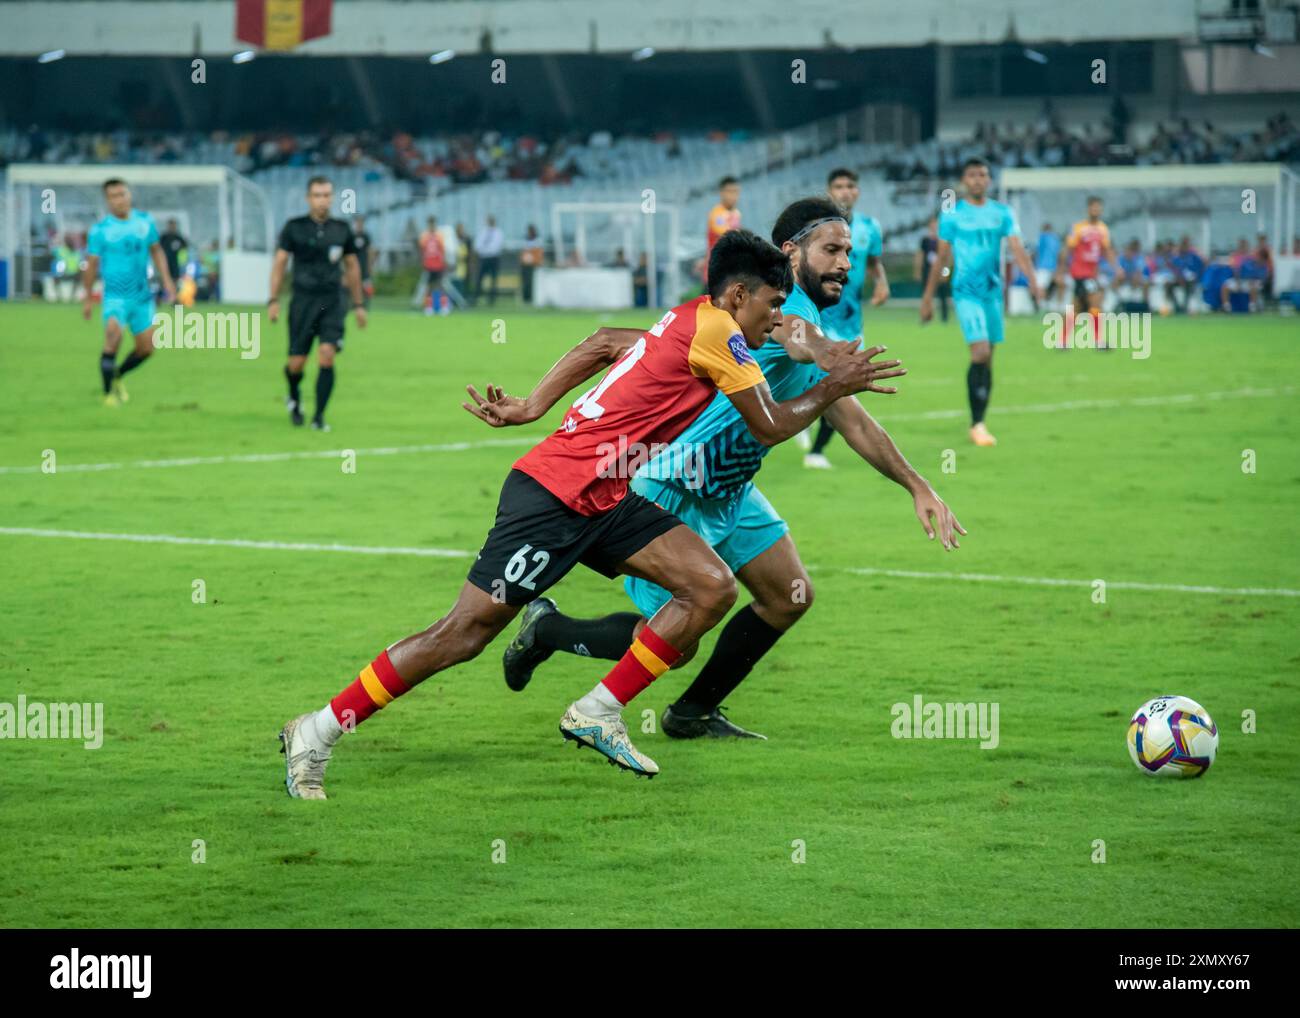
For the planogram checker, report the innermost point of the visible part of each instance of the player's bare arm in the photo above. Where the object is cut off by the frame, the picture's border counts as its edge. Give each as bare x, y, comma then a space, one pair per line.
278, 264
849, 371
159, 257
870, 441
352, 280
595, 353
1026, 266
880, 285
942, 259
88, 276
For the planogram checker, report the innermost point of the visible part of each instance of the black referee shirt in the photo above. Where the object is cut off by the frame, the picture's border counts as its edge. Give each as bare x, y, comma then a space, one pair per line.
318, 250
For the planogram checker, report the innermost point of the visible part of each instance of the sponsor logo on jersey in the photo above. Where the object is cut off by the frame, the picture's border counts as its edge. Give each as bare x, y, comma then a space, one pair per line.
739, 350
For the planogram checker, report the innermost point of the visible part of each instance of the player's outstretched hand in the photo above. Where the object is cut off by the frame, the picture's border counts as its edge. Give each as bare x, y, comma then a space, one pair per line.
927, 309
360, 314
498, 409
855, 371
937, 518
273, 310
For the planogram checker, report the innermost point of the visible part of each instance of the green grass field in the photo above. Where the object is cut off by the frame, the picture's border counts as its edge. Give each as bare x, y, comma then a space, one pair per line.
1108, 468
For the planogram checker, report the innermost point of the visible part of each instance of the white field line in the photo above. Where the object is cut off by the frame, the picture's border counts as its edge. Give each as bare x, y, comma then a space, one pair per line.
489, 443
276, 457
908, 574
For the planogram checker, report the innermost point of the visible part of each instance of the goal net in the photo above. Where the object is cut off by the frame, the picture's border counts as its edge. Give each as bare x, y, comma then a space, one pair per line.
49, 209
1216, 207
615, 236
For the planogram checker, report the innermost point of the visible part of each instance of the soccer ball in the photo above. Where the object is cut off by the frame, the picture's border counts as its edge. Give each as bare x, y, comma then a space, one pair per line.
1173, 737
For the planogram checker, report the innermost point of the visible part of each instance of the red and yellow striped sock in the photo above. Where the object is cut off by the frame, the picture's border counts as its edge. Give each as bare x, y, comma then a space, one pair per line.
647, 659
377, 686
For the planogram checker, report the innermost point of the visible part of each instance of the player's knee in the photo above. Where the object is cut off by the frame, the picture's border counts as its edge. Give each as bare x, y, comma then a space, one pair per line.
714, 591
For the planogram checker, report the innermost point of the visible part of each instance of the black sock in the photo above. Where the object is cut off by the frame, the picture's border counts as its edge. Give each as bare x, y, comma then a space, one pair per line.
979, 385
108, 370
324, 386
744, 640
133, 361
824, 435
607, 638
295, 385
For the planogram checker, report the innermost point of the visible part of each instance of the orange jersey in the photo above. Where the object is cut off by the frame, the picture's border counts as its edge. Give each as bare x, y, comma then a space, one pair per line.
646, 399
721, 220
1087, 244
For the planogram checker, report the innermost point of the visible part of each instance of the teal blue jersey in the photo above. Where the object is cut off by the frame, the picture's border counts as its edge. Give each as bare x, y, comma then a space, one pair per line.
122, 246
844, 320
717, 455
975, 233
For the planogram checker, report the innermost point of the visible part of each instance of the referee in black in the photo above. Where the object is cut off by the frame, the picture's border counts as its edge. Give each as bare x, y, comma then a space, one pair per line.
322, 249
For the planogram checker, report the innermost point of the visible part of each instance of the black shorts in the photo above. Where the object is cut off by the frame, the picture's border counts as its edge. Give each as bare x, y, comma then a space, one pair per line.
1084, 287
313, 315
537, 539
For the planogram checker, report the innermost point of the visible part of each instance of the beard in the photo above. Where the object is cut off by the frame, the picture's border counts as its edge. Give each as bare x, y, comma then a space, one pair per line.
814, 285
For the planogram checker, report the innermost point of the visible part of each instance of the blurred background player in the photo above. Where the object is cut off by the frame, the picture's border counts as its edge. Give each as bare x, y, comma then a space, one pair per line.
922, 260
365, 258
1046, 252
120, 248
323, 250
970, 236
723, 217
1087, 243
843, 320
433, 263
174, 244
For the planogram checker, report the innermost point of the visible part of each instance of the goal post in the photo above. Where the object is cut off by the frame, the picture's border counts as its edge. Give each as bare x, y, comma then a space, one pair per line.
584, 234
1214, 204
47, 205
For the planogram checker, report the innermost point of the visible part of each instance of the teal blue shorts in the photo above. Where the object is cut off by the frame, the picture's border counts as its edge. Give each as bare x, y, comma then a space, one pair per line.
980, 317
136, 315
739, 531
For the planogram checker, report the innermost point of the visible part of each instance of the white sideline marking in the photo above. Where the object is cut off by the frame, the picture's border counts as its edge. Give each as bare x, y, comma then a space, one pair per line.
220, 542
489, 443
908, 574
277, 457
1096, 404
1047, 581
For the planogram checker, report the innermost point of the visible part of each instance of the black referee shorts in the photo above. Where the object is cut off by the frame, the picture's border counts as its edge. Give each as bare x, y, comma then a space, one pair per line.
537, 539
315, 316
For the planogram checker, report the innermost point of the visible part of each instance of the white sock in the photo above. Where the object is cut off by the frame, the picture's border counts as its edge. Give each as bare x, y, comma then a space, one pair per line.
326, 727
600, 703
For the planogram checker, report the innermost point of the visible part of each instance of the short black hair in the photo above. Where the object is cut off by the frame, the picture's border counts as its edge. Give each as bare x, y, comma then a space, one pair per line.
318, 180
840, 171
113, 182
725, 181
1094, 198
747, 257
799, 214
973, 161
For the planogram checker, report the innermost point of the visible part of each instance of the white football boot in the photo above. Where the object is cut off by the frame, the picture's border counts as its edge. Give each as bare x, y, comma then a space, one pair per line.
305, 757
608, 736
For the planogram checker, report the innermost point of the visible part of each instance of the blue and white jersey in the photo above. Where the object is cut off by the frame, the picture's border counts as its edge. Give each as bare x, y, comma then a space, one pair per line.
122, 246
844, 320
975, 233
717, 455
